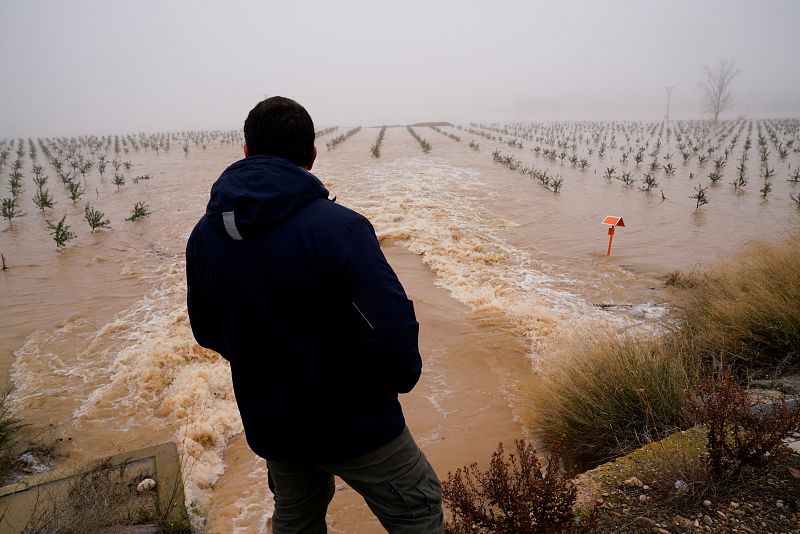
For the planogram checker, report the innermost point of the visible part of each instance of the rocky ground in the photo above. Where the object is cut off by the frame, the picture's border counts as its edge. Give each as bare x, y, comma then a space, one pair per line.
661, 488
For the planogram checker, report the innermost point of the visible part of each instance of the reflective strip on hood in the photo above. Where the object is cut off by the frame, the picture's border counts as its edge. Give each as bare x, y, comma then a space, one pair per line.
228, 218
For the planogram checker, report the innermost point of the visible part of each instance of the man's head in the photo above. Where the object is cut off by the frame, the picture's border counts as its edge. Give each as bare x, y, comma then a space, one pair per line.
280, 127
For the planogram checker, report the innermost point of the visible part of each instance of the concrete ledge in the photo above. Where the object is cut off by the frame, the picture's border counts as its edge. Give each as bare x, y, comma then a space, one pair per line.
100, 496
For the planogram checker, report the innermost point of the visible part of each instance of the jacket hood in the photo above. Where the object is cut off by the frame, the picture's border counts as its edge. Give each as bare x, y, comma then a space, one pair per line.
259, 192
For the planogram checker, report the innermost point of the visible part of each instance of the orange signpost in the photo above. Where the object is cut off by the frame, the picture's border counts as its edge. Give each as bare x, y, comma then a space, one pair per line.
612, 223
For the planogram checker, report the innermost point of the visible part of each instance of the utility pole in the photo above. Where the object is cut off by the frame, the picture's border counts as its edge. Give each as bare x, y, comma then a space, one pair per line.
669, 94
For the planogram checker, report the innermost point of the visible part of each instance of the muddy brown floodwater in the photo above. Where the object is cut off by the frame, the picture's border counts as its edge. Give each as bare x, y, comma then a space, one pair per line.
96, 342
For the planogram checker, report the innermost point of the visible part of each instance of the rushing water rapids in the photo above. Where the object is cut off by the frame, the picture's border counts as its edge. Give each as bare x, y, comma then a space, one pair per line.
97, 343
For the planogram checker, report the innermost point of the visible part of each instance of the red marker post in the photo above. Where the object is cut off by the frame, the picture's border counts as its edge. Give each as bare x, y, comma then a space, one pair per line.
612, 223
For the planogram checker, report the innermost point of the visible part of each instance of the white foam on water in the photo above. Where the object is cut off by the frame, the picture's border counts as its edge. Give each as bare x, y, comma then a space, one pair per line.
435, 209
651, 311
141, 371
254, 505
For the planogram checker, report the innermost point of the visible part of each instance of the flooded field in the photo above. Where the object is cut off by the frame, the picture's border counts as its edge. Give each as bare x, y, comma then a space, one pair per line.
500, 245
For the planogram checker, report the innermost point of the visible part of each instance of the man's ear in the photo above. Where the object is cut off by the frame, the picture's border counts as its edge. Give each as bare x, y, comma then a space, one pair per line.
246, 150
313, 158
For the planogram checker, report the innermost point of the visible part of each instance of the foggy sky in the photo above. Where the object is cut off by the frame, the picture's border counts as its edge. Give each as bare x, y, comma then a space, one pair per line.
110, 66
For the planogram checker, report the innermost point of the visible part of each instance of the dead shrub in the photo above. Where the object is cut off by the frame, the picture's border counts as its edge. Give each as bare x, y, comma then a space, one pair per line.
513, 496
741, 432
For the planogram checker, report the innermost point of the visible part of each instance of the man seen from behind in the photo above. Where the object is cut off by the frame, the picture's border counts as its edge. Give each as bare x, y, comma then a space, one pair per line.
293, 290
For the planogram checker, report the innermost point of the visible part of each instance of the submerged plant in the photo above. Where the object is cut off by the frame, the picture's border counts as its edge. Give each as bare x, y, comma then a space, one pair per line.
423, 143
15, 183
43, 199
765, 190
38, 175
61, 232
739, 182
140, 211
700, 196
95, 218
626, 178
554, 184
375, 150
648, 182
342, 138
84, 168
75, 190
9, 209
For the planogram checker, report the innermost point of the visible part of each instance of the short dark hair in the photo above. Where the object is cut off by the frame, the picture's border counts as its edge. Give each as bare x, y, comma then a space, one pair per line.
279, 126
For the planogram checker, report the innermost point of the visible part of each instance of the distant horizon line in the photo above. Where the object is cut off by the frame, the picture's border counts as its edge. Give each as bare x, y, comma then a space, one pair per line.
396, 124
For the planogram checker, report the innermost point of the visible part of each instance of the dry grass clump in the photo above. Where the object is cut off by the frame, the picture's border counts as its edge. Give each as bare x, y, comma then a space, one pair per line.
748, 311
97, 499
612, 395
681, 279
103, 498
9, 425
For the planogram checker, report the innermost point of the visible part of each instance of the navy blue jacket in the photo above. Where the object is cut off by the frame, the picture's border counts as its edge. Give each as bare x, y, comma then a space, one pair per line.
294, 291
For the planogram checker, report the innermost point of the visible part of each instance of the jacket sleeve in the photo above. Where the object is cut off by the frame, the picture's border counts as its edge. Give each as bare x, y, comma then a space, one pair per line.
387, 328
205, 328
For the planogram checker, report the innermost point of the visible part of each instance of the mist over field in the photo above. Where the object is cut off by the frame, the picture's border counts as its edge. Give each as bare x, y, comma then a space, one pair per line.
543, 143
111, 66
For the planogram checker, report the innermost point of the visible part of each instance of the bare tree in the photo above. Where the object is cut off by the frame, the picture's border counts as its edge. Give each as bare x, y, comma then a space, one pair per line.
718, 97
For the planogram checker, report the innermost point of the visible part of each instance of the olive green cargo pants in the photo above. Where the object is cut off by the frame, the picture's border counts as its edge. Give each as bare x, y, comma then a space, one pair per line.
396, 481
